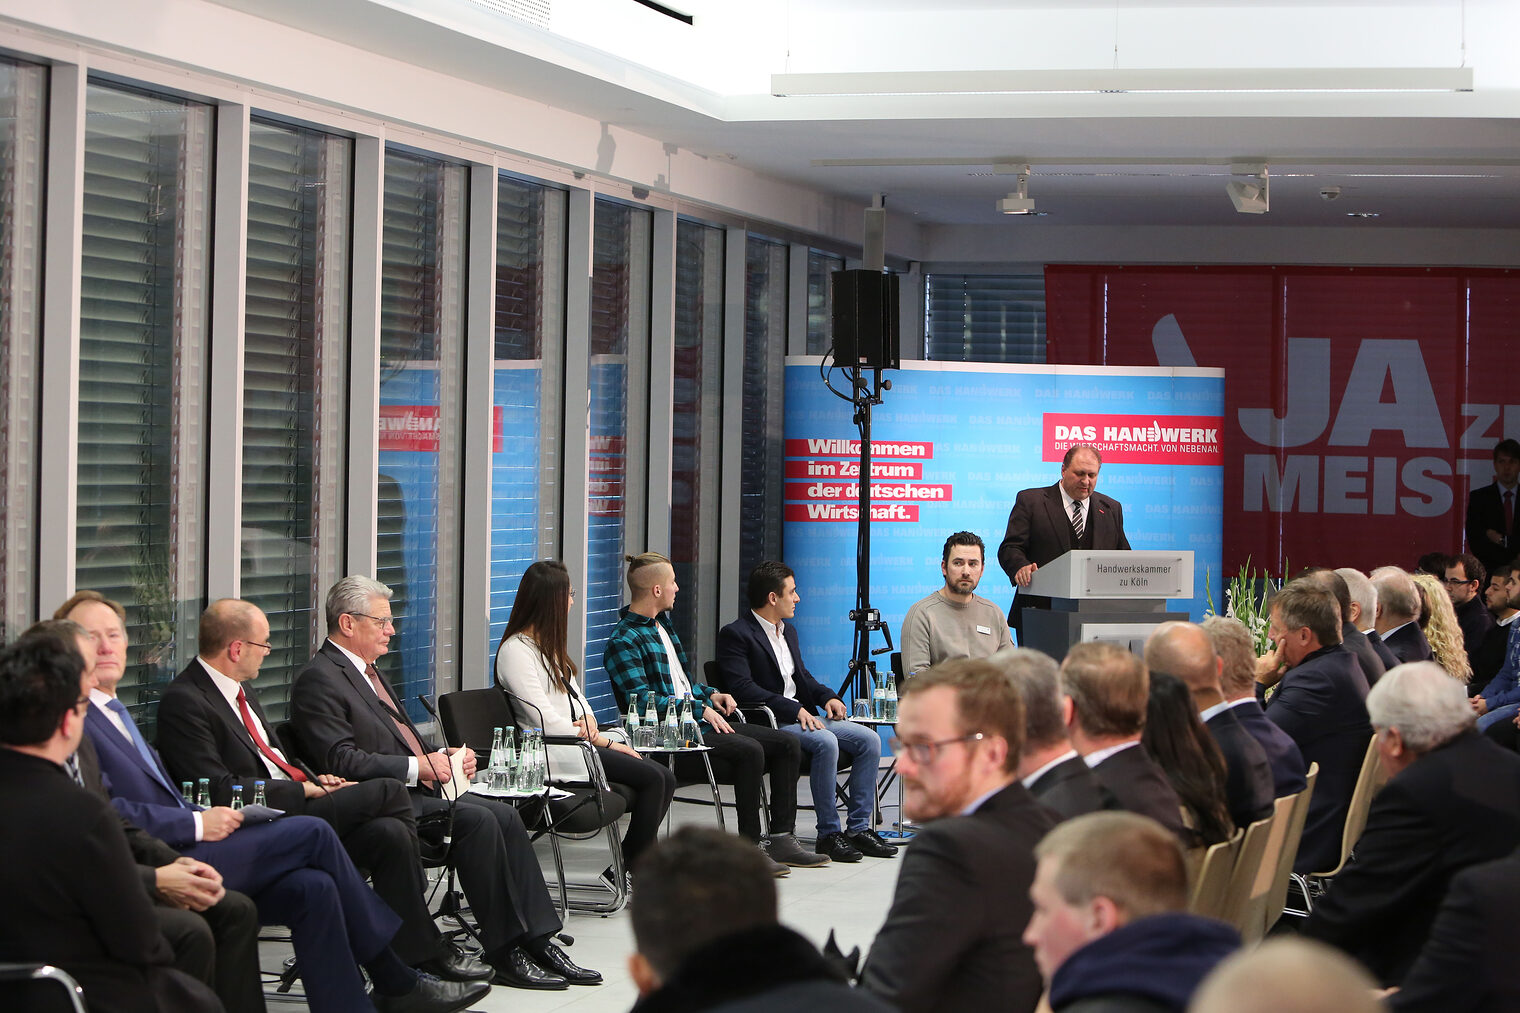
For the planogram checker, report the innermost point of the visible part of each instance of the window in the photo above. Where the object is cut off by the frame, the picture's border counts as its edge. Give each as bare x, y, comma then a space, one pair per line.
142, 366
697, 413
621, 255
23, 97
764, 379
820, 300
528, 380
985, 318
294, 380
422, 311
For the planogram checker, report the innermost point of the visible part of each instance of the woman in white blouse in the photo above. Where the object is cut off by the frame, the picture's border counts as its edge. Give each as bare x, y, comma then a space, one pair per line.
534, 666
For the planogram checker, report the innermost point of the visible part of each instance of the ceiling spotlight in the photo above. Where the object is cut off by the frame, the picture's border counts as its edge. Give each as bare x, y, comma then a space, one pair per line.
1250, 197
1018, 202
1362, 214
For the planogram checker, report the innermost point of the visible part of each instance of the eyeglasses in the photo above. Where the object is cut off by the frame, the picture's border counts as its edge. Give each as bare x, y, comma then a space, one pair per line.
1458, 581
255, 643
380, 621
925, 753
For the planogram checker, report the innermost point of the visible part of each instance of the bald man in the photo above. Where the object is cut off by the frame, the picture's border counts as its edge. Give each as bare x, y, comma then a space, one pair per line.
1184, 650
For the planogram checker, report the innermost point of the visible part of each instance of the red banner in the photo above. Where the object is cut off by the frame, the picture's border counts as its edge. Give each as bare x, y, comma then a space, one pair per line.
1362, 404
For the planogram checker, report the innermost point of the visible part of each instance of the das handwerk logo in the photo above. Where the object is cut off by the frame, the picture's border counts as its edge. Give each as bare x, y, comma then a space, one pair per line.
1136, 439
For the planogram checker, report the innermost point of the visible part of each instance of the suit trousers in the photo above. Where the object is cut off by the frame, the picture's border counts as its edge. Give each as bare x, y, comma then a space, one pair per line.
740, 759
297, 872
651, 786
374, 820
219, 946
498, 871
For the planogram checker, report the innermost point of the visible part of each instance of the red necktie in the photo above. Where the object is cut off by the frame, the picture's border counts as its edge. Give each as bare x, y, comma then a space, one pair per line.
294, 773
405, 730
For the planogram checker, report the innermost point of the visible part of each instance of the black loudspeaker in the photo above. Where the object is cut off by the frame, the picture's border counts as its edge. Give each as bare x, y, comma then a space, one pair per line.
867, 325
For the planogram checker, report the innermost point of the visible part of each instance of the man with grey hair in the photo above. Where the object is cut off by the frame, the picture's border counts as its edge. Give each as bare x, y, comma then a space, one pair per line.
1367, 657
1363, 612
1237, 680
1049, 765
1318, 696
351, 722
1398, 614
1184, 651
1452, 801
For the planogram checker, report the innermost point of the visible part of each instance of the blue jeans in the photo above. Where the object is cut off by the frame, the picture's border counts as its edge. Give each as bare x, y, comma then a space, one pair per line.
863, 746
1493, 717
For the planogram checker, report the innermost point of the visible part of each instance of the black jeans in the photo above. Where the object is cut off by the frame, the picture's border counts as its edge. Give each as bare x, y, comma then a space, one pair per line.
740, 759
651, 786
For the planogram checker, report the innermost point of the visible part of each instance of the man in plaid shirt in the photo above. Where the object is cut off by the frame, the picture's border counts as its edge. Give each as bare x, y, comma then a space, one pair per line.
643, 656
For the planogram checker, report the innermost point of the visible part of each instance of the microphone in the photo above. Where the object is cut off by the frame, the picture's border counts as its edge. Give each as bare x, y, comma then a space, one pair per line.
448, 832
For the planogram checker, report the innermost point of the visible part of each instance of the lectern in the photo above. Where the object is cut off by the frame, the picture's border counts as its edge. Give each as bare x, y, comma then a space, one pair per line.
1109, 595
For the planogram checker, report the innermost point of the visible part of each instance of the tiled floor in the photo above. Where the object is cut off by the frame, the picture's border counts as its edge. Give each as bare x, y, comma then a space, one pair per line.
850, 899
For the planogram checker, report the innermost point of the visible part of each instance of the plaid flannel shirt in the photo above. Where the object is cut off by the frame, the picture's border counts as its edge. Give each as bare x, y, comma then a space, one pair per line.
636, 661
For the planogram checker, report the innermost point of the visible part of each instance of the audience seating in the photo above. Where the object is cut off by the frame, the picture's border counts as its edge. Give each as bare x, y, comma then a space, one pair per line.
473, 715
1367, 782
1211, 868
1245, 878
1277, 897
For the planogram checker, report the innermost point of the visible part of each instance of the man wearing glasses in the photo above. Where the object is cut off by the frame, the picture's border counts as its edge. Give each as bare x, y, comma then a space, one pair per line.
1465, 578
951, 939
210, 727
350, 721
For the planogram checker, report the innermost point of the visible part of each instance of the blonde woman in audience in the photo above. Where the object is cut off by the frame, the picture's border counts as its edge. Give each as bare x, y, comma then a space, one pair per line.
1442, 629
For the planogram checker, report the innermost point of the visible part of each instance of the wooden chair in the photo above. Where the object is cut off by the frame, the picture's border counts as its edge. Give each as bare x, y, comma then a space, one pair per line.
1277, 898
1211, 876
1367, 782
1245, 875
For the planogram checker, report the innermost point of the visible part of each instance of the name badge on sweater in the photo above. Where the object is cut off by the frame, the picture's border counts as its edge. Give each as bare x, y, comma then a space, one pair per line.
984, 631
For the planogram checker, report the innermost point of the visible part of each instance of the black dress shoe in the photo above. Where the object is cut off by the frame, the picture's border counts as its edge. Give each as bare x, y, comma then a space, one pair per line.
454, 964
869, 842
838, 848
554, 959
432, 995
520, 971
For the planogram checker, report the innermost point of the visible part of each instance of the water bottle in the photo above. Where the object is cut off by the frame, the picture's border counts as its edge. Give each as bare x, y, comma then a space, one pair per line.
690, 734
651, 713
494, 766
891, 698
203, 793
187, 790
631, 724
878, 699
505, 775
672, 725
237, 796
258, 793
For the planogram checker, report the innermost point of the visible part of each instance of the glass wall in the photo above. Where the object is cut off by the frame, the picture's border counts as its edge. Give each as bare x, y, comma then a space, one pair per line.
300, 207
820, 300
621, 256
765, 274
142, 365
985, 318
23, 98
422, 313
696, 421
527, 405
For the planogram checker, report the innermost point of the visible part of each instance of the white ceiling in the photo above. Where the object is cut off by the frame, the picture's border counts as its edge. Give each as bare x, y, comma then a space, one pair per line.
1416, 160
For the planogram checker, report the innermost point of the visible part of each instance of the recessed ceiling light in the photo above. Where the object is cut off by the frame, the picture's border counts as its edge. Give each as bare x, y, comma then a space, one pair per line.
1362, 214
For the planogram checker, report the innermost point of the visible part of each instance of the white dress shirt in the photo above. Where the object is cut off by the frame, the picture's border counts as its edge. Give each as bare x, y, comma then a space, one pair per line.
783, 654
1097, 756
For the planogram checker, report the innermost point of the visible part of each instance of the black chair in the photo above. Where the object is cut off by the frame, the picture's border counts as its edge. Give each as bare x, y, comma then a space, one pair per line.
473, 715
25, 985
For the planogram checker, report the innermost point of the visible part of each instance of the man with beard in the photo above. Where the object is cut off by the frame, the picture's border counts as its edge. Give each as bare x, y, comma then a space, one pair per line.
951, 939
954, 621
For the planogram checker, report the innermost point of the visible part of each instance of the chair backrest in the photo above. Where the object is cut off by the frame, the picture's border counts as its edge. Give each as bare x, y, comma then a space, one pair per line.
1244, 877
1253, 919
471, 716
713, 676
1277, 897
1212, 876
1367, 784
290, 744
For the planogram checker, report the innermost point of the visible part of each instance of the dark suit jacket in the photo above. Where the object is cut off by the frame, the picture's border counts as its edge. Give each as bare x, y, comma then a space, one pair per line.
1248, 784
751, 675
1389, 659
1039, 530
73, 896
135, 792
1476, 620
1489, 657
1367, 656
1288, 767
342, 726
1468, 963
1408, 643
1071, 790
952, 939
1485, 510
1322, 703
1452, 808
1139, 785
199, 735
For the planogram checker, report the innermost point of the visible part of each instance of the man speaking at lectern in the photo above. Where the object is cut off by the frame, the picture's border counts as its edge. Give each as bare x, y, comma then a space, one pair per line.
1051, 521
